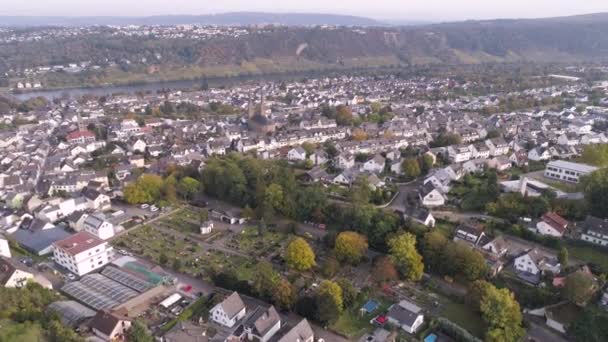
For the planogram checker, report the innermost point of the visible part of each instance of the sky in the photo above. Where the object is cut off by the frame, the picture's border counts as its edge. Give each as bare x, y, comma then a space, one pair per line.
419, 10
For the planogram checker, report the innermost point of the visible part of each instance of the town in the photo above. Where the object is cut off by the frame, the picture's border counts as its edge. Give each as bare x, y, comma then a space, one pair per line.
339, 208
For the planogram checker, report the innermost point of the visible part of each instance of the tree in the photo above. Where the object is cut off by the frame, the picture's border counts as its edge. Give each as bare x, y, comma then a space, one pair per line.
349, 293
344, 115
299, 256
411, 168
562, 256
284, 295
384, 270
359, 134
595, 187
433, 246
163, 259
477, 290
459, 259
350, 247
330, 303
405, 256
273, 196
188, 187
591, 326
426, 163
265, 279
331, 266
502, 313
579, 287
139, 333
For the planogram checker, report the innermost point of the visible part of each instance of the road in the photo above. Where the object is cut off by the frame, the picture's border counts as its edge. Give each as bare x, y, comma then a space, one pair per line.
405, 190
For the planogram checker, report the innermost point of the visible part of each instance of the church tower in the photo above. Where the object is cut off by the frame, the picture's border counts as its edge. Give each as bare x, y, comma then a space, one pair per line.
262, 106
251, 108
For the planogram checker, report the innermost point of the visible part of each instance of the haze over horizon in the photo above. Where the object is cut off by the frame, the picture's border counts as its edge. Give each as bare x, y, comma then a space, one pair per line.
418, 10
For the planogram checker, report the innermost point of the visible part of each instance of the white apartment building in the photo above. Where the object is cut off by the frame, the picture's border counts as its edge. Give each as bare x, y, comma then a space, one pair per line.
82, 253
97, 225
567, 171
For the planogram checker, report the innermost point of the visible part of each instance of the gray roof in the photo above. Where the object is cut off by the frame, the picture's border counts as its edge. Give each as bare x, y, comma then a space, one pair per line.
300, 332
71, 312
37, 241
232, 305
404, 312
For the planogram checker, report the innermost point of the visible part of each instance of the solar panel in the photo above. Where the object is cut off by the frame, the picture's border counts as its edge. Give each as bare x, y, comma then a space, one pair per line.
108, 287
88, 296
127, 279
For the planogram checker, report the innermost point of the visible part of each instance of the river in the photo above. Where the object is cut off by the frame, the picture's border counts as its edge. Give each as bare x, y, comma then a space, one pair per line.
173, 85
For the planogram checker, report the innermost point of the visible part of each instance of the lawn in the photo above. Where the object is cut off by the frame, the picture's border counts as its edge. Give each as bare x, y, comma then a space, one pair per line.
23, 332
242, 267
352, 324
462, 315
446, 228
589, 254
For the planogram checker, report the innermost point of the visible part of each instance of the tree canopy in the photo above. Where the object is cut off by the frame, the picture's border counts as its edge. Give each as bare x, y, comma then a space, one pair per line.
299, 256
405, 256
350, 247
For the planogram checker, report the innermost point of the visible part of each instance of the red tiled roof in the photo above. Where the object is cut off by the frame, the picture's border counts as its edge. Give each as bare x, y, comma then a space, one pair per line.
80, 134
79, 243
557, 222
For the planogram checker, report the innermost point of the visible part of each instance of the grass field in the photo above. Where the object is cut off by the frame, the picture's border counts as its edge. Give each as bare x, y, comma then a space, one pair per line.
462, 315
352, 324
589, 254
20, 332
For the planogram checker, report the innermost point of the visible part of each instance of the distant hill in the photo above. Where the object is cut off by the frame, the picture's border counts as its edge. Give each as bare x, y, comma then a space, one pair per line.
223, 19
302, 49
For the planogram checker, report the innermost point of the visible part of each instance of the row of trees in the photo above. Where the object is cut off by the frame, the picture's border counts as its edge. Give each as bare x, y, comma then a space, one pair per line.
445, 257
150, 188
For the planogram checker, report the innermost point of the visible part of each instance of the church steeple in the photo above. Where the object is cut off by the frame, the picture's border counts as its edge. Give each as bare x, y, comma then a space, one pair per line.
251, 107
262, 98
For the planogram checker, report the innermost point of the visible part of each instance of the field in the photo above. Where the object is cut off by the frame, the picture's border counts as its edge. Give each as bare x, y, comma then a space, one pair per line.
251, 242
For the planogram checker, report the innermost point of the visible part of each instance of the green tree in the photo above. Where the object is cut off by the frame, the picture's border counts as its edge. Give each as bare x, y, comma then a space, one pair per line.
188, 187
265, 279
349, 292
139, 333
579, 287
411, 168
502, 313
405, 256
273, 196
350, 247
433, 246
562, 256
299, 256
426, 163
595, 187
591, 326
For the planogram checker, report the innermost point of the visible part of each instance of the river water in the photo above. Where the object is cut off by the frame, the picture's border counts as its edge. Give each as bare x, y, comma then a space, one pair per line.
155, 86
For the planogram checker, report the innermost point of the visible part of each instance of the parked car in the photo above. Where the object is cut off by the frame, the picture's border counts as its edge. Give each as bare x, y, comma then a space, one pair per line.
144, 206
153, 208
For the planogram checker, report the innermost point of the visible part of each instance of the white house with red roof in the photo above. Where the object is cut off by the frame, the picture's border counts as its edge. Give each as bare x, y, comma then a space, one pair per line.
82, 253
552, 224
80, 137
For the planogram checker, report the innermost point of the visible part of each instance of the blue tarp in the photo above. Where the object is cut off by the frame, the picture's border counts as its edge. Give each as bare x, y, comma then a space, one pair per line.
370, 306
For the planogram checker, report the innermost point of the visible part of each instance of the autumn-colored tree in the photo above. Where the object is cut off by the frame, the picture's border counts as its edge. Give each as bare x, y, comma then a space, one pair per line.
359, 134
350, 247
405, 256
188, 187
384, 270
502, 314
579, 287
299, 256
344, 115
330, 302
284, 295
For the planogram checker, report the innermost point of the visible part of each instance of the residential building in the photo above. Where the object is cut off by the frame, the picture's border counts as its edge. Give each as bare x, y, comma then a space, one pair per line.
430, 196
97, 225
405, 315
552, 224
229, 311
301, 332
261, 325
82, 253
595, 230
109, 326
534, 262
5, 250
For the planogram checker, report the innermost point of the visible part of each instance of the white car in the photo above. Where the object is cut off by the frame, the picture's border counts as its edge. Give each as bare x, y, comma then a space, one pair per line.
71, 276
153, 208
144, 206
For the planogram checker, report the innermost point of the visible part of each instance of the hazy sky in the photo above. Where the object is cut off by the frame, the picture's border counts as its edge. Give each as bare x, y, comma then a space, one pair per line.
383, 9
